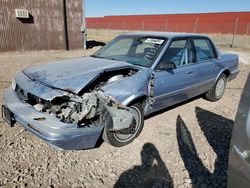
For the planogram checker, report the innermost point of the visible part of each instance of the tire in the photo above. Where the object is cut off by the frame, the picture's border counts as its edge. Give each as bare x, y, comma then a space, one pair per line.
122, 138
218, 89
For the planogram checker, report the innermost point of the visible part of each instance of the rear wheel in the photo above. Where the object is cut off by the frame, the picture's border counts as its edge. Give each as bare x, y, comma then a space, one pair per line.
218, 89
126, 136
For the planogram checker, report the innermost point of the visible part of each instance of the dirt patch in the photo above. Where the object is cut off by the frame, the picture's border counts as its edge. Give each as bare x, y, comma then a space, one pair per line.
158, 157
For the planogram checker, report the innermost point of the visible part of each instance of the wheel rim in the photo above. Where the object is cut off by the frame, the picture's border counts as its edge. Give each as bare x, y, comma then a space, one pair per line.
134, 129
220, 88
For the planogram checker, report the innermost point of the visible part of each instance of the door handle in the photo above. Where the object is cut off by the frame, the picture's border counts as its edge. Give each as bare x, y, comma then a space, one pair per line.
215, 65
190, 73
245, 155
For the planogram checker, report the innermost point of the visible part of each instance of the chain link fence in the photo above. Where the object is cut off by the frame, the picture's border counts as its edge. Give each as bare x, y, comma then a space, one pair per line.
233, 34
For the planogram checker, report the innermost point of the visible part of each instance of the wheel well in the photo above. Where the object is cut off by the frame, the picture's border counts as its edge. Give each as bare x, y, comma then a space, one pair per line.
141, 100
226, 72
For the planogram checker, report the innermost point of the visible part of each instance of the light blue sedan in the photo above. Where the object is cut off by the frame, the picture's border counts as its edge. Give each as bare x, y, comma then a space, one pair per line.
77, 103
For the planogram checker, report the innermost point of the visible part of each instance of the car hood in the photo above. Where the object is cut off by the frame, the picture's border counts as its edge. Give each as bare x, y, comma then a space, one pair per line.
74, 74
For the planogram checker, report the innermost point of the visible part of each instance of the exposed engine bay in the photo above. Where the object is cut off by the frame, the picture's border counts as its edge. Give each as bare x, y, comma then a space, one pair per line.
88, 107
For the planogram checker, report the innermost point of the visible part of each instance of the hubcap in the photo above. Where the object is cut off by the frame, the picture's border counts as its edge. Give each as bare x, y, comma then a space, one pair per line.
128, 134
220, 88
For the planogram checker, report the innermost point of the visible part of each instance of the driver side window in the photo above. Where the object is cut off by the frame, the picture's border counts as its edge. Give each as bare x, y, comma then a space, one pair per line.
178, 53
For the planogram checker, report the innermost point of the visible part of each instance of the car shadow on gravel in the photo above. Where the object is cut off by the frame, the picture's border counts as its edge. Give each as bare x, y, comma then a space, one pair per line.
218, 131
152, 172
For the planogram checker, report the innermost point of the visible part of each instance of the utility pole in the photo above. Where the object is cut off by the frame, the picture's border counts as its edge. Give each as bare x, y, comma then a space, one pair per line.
247, 29
109, 28
96, 27
234, 32
195, 25
166, 25
124, 25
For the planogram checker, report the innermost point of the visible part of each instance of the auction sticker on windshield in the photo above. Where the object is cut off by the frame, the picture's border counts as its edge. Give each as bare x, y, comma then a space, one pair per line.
154, 41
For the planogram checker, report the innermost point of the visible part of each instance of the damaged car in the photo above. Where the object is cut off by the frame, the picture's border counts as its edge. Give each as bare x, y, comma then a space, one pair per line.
76, 103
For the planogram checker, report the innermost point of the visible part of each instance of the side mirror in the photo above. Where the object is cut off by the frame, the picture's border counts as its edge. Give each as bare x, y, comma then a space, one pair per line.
167, 66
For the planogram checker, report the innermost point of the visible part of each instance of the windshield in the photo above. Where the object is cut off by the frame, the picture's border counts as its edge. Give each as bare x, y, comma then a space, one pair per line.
135, 50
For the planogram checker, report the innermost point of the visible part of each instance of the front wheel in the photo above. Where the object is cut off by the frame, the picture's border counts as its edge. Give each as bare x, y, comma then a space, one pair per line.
218, 89
126, 136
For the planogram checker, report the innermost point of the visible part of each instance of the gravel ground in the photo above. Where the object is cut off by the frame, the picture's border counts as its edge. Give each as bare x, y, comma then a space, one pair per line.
183, 146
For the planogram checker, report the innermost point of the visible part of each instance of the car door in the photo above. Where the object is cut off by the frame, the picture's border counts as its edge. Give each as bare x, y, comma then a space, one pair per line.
208, 63
177, 84
239, 157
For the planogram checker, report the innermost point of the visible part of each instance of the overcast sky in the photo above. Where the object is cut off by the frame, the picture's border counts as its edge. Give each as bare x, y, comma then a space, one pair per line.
95, 8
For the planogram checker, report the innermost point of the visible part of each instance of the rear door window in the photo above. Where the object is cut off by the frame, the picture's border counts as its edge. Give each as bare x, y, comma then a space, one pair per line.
204, 49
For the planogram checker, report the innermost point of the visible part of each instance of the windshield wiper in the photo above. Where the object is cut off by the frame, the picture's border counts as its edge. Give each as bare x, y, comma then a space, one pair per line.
140, 65
95, 56
111, 58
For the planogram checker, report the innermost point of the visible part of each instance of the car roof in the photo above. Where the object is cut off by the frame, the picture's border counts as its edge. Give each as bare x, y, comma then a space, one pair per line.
168, 35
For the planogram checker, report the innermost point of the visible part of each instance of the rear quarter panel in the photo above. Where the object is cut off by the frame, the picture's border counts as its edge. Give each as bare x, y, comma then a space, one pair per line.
230, 62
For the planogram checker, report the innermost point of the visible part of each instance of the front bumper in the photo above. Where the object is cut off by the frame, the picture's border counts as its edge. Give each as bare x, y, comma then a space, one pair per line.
49, 128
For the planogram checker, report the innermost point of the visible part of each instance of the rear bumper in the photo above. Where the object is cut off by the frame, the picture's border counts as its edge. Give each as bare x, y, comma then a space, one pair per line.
49, 128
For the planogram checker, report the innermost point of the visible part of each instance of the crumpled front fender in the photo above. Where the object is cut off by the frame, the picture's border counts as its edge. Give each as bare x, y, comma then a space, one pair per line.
130, 88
